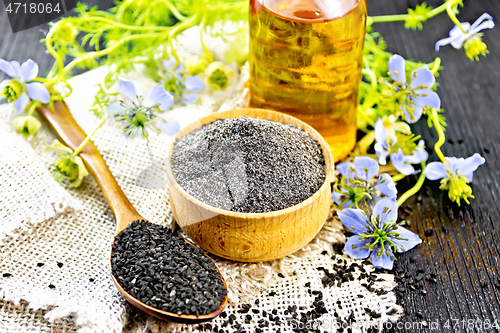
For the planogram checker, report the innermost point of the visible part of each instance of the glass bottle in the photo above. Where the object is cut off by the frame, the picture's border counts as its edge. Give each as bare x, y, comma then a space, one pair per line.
305, 60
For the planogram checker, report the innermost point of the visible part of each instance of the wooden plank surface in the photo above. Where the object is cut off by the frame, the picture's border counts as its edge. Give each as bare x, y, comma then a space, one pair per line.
454, 275
462, 253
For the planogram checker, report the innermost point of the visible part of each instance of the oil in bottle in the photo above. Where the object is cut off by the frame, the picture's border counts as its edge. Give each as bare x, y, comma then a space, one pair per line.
305, 60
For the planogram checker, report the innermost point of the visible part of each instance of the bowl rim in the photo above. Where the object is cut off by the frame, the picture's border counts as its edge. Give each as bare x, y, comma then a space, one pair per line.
260, 114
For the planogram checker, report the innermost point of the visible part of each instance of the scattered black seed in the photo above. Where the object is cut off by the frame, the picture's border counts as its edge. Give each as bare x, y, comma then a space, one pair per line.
487, 151
281, 275
272, 293
249, 165
429, 232
162, 270
51, 286
450, 141
324, 252
6, 274
338, 248
460, 141
91, 279
255, 311
257, 301
60, 264
40, 264
245, 306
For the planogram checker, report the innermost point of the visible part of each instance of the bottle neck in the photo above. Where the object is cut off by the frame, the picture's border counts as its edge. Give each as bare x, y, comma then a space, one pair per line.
308, 10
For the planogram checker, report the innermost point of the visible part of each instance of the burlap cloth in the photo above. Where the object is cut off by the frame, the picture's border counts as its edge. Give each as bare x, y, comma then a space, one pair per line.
55, 240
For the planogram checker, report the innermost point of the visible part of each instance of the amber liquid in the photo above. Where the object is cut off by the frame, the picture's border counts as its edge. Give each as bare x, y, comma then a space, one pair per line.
305, 60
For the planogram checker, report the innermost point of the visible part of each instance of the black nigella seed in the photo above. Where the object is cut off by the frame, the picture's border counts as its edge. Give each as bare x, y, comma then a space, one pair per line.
40, 264
428, 232
60, 264
249, 165
281, 275
6, 274
162, 270
91, 279
51, 286
487, 151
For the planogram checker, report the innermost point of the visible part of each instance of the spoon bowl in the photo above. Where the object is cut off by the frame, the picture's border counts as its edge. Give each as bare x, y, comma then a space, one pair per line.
70, 133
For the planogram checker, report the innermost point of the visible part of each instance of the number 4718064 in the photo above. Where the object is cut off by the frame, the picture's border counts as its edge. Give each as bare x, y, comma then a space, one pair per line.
471, 324
33, 8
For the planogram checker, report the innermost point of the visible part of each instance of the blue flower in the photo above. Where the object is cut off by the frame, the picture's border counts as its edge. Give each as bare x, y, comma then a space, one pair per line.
356, 183
19, 89
377, 236
177, 85
471, 40
144, 112
412, 97
455, 175
403, 153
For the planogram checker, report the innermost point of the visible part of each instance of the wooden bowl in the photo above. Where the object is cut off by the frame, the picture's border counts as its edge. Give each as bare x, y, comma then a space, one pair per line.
251, 237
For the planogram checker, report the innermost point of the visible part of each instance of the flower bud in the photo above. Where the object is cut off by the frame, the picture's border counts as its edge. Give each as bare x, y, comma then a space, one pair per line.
66, 33
195, 65
218, 76
26, 125
68, 165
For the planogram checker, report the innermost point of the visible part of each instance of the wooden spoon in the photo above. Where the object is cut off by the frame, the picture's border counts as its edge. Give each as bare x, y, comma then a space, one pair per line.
72, 135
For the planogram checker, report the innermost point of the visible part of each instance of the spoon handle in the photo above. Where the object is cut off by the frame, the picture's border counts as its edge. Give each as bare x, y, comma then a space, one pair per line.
71, 134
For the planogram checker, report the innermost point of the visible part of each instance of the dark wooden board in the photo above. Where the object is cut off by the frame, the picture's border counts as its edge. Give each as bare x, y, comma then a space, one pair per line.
463, 251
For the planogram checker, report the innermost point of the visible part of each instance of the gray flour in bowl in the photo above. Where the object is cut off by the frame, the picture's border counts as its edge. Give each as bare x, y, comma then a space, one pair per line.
248, 165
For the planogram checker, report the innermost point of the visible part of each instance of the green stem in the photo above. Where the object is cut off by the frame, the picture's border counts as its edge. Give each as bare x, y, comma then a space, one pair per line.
398, 177
48, 44
415, 188
178, 29
441, 137
208, 54
33, 107
388, 18
175, 12
106, 51
435, 67
373, 78
404, 17
121, 25
87, 139
453, 17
